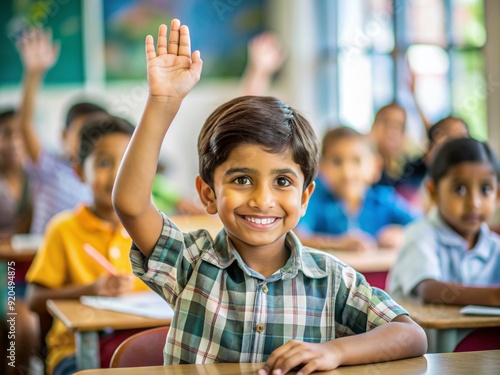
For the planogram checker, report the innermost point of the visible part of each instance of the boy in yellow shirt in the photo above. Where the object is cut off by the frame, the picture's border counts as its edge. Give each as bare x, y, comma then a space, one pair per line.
62, 268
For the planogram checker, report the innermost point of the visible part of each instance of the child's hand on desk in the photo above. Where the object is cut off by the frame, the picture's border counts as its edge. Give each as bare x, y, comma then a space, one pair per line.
391, 237
313, 356
172, 69
113, 285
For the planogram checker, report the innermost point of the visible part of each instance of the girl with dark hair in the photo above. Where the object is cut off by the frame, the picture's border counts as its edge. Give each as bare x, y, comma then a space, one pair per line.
452, 256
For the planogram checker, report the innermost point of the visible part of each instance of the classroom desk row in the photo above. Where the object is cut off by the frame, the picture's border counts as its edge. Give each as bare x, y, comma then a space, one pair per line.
87, 321
485, 362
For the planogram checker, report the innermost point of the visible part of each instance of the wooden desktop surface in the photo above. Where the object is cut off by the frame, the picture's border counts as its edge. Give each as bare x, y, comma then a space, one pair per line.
7, 253
379, 260
442, 316
483, 362
85, 318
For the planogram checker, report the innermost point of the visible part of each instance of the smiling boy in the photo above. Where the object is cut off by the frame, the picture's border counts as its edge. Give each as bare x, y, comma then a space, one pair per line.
253, 293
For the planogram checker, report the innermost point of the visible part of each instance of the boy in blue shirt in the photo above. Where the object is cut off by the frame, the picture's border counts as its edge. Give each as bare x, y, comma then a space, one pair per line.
253, 293
346, 211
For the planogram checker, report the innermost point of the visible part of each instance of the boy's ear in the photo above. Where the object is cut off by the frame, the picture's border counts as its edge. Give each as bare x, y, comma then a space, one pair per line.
305, 198
431, 189
207, 196
78, 168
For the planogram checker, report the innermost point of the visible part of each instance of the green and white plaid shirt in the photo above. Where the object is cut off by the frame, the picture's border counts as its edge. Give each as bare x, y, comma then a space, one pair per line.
227, 312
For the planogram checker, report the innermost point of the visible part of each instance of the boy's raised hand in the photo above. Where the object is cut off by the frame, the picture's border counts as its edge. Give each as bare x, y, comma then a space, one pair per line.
37, 50
172, 69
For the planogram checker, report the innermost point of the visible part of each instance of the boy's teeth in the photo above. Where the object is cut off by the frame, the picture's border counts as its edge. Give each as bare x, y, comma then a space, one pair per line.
260, 221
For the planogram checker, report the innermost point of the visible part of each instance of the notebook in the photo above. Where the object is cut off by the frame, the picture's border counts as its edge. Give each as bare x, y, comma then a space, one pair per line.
480, 310
148, 304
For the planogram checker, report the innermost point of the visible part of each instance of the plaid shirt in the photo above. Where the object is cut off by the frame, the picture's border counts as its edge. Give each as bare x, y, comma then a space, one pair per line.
227, 312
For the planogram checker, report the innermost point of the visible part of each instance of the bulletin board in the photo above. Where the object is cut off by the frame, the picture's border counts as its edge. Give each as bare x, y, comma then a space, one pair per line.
64, 17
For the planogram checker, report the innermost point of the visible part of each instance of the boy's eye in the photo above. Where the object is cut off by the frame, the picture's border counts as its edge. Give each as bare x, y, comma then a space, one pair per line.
283, 182
242, 180
460, 190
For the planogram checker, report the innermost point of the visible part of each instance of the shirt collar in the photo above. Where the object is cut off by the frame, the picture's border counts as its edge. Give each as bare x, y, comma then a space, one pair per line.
88, 220
224, 254
447, 236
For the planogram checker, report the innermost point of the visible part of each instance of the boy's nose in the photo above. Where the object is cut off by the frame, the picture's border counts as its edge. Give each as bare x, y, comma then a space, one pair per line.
262, 198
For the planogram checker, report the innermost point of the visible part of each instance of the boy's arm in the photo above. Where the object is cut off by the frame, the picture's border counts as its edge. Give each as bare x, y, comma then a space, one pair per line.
109, 285
401, 338
172, 72
38, 54
434, 291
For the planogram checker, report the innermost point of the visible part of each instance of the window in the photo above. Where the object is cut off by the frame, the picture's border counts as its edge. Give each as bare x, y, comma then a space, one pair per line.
372, 48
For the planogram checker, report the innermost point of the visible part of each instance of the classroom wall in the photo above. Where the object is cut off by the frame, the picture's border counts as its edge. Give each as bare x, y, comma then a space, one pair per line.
296, 85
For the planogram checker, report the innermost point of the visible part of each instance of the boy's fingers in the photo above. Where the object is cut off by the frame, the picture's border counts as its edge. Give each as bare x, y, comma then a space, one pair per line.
162, 40
184, 42
150, 48
173, 43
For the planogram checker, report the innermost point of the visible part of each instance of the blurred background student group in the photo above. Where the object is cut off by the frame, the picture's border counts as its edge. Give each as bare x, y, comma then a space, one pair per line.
385, 83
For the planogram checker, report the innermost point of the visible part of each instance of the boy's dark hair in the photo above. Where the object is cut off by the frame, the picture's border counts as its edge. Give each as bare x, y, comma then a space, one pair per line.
82, 109
343, 132
257, 120
97, 126
439, 127
458, 151
6, 114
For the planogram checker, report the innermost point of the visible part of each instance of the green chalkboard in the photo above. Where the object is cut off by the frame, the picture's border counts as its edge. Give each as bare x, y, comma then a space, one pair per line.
64, 17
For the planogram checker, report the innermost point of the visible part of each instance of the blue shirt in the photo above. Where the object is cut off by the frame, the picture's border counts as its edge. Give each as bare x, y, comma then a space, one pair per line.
381, 207
433, 250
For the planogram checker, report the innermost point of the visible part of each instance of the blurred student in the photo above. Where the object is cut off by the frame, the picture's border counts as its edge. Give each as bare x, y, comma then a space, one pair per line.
266, 56
56, 186
253, 293
346, 210
62, 268
451, 256
409, 184
15, 217
15, 192
388, 133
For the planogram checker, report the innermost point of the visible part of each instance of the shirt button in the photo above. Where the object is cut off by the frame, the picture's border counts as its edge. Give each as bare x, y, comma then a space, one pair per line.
264, 288
259, 328
114, 253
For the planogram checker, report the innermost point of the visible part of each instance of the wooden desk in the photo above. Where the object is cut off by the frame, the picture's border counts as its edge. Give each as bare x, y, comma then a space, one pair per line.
87, 321
7, 252
486, 362
444, 324
369, 261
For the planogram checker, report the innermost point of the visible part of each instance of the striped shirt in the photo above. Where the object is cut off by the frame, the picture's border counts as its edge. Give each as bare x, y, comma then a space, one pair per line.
56, 188
227, 312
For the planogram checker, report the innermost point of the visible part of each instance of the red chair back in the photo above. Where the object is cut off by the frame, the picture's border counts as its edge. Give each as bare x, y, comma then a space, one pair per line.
142, 349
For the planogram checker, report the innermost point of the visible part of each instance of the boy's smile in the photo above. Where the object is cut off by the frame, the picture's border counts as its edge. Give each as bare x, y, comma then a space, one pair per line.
259, 197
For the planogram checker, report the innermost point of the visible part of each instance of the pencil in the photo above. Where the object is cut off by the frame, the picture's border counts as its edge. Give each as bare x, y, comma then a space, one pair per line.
99, 258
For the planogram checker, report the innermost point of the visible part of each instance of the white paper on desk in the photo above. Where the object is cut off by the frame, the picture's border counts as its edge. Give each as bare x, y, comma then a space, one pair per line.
480, 310
26, 242
148, 304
